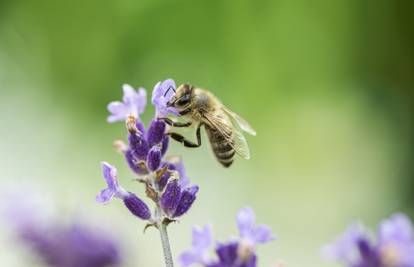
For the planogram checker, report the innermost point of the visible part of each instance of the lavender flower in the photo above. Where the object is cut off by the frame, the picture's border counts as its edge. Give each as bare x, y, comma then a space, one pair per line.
165, 180
114, 189
249, 232
59, 245
135, 205
201, 243
76, 246
394, 246
133, 104
162, 93
234, 253
396, 241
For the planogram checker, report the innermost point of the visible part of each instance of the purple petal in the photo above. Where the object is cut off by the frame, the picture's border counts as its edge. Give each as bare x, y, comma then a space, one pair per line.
142, 100
199, 253
345, 247
188, 258
245, 222
137, 207
396, 241
202, 237
161, 95
113, 189
397, 227
110, 175
262, 234
171, 197
133, 104
129, 93
105, 195
188, 197
136, 100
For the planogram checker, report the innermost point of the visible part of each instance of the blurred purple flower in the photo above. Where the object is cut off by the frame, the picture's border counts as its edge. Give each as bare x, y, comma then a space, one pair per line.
199, 252
162, 93
76, 246
345, 248
58, 245
394, 246
396, 241
252, 234
234, 253
133, 104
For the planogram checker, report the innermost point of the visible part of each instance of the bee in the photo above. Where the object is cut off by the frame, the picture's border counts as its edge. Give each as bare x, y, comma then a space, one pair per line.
202, 108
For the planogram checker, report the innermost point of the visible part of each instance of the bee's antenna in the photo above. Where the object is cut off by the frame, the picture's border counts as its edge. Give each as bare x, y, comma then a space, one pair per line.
169, 88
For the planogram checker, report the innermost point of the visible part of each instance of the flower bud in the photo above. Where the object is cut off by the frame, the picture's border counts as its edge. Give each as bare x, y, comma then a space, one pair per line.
138, 146
137, 168
154, 158
156, 132
171, 197
187, 198
137, 207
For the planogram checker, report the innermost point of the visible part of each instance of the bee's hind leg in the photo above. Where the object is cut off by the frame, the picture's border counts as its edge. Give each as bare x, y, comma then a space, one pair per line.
179, 138
176, 123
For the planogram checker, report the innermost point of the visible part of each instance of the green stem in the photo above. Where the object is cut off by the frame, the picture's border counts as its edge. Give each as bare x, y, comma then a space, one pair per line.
165, 245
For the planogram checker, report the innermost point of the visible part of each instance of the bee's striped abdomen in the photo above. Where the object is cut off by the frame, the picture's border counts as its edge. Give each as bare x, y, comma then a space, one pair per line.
222, 149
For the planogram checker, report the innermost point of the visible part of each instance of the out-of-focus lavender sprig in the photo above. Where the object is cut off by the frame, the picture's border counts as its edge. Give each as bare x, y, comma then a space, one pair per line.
393, 246
164, 179
239, 252
72, 244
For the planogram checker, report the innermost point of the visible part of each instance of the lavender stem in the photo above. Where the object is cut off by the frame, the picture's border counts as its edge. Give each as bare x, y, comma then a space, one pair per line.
165, 245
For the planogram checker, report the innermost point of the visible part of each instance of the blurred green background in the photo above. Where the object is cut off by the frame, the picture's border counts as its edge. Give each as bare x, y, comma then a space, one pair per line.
328, 85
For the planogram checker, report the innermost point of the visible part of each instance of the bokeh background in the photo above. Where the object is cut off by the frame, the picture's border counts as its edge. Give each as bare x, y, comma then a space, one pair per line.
328, 85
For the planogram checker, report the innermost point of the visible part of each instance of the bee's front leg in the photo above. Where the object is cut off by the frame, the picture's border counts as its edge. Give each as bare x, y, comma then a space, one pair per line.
187, 143
176, 123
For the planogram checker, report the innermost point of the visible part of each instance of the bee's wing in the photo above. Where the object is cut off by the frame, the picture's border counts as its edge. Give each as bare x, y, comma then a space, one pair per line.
236, 140
244, 125
240, 145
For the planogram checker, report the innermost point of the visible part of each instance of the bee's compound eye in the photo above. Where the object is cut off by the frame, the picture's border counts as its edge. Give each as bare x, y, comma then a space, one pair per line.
183, 101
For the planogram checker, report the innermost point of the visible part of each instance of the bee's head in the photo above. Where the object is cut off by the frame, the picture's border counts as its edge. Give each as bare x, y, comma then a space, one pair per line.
182, 98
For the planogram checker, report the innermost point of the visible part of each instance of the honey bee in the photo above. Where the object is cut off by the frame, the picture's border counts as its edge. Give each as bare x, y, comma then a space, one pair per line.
202, 108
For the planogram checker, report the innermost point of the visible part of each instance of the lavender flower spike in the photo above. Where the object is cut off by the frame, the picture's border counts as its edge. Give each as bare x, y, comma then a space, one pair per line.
113, 189
394, 246
133, 104
345, 249
162, 93
199, 253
